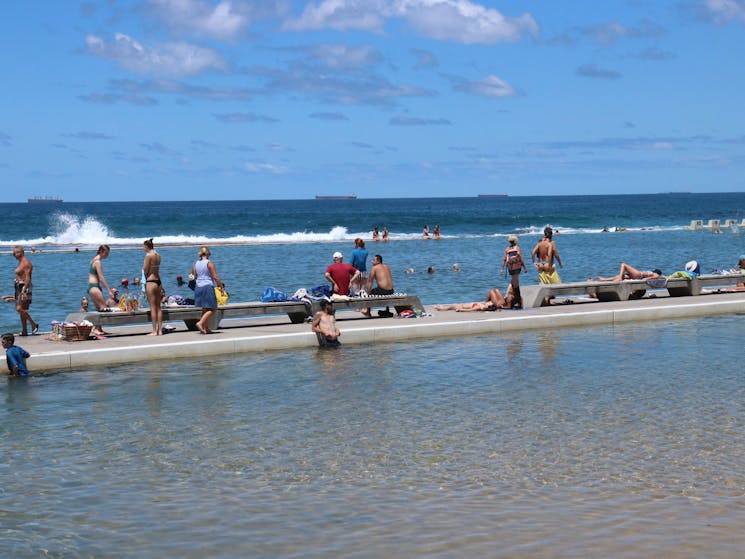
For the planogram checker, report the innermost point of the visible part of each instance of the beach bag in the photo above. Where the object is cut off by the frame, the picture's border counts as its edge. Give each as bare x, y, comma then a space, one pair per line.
301, 293
272, 295
514, 261
221, 299
321, 291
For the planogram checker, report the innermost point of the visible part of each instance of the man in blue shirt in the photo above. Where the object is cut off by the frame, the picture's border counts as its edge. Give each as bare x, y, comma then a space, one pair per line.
15, 356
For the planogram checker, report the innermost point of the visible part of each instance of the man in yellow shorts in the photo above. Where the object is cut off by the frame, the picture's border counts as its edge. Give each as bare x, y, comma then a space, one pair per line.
545, 251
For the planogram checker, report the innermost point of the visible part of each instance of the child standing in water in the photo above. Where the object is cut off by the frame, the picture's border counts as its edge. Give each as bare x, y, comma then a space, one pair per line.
15, 356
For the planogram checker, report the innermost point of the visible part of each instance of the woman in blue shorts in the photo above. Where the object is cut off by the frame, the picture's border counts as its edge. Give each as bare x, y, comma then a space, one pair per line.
204, 292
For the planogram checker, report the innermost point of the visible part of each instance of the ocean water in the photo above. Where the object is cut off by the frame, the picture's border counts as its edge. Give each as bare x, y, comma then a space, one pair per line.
288, 244
617, 442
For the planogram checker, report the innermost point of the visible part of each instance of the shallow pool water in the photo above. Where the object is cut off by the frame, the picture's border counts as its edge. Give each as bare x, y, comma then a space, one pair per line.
619, 441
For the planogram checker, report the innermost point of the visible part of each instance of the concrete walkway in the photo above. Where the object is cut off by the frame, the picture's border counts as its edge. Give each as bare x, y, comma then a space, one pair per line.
130, 344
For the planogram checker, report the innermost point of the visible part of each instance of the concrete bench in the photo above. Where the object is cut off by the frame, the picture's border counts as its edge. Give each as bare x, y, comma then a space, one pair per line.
679, 287
399, 302
536, 295
297, 312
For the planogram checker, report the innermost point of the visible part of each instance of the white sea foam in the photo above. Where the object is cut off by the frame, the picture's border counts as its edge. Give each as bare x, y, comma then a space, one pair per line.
593, 230
67, 230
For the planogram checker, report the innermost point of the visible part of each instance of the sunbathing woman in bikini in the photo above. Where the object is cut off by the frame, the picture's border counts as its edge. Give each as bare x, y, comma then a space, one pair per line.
629, 272
493, 302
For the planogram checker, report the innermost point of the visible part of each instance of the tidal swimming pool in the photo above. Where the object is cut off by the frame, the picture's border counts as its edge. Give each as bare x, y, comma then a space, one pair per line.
621, 441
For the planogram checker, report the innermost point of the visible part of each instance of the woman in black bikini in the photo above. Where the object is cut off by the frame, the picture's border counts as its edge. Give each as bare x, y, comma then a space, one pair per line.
153, 289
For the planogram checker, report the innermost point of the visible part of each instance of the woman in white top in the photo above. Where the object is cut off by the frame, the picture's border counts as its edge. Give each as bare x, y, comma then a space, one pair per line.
204, 293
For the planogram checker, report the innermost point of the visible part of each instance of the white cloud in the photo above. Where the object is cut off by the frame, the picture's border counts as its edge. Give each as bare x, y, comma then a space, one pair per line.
592, 71
233, 118
367, 15
167, 59
609, 33
490, 86
347, 88
221, 21
344, 57
725, 11
425, 59
661, 146
457, 20
261, 167
414, 121
464, 21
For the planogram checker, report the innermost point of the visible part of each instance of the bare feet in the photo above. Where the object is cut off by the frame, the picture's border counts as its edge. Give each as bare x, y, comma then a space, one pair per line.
202, 329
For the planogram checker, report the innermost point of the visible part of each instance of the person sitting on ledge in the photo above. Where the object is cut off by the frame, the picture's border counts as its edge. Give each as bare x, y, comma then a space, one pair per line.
740, 269
629, 272
324, 325
380, 274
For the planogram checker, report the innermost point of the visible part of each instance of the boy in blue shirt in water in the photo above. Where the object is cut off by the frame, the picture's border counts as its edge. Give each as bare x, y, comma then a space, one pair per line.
15, 356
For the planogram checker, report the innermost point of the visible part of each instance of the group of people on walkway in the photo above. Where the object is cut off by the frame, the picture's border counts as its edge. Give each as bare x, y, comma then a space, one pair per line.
345, 279
544, 257
204, 272
353, 278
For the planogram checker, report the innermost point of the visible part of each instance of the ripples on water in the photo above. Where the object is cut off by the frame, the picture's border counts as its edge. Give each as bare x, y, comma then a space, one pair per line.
602, 442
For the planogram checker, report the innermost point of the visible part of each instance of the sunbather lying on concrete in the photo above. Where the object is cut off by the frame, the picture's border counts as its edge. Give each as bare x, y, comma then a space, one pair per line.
494, 301
629, 272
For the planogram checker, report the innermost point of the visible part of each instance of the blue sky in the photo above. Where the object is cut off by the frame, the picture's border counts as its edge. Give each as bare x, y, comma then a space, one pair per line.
199, 99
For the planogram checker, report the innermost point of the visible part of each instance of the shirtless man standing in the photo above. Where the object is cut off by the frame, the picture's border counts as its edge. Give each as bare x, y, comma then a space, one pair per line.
546, 251
381, 274
324, 325
23, 290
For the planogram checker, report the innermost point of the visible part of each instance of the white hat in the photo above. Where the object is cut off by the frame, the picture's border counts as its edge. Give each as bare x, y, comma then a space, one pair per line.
692, 266
338, 254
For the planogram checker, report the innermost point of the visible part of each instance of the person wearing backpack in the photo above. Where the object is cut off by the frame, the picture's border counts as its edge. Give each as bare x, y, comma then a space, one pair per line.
513, 261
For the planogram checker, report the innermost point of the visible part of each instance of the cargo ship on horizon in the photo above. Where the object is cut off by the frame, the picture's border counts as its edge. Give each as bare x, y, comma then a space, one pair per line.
500, 195
45, 200
337, 197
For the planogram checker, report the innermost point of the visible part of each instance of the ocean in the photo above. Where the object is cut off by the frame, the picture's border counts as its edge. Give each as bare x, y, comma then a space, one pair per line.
288, 244
614, 441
